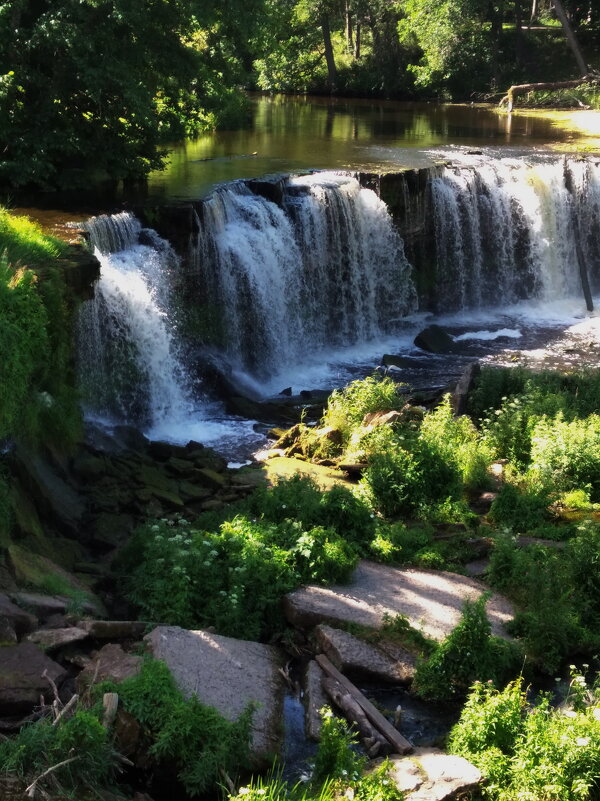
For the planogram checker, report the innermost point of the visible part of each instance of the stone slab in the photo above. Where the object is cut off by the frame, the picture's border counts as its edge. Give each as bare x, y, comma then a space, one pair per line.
227, 674
21, 620
21, 682
351, 655
110, 663
431, 600
52, 639
431, 775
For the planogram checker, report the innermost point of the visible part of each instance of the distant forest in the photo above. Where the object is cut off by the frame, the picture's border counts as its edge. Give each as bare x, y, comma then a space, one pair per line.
90, 89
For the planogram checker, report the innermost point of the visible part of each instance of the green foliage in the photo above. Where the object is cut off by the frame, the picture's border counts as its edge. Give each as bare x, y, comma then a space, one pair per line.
467, 654
336, 757
400, 481
521, 507
89, 89
37, 396
458, 441
347, 407
42, 745
558, 599
233, 577
532, 752
193, 737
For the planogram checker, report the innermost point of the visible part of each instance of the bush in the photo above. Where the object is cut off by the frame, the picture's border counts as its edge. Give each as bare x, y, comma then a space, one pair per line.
42, 745
193, 737
543, 582
531, 752
467, 654
520, 507
400, 481
233, 578
457, 439
348, 406
567, 454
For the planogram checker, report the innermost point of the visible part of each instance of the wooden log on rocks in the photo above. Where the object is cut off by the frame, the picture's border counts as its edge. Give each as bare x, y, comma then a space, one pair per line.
399, 743
375, 743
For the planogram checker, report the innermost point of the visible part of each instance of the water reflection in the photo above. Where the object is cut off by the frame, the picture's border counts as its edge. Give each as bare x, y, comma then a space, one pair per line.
287, 134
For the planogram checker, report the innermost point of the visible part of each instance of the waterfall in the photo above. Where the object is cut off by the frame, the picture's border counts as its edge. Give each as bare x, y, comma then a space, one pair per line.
506, 230
129, 366
325, 269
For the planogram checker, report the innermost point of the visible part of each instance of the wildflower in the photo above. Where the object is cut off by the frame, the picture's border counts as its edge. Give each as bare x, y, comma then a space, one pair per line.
155, 528
582, 741
244, 791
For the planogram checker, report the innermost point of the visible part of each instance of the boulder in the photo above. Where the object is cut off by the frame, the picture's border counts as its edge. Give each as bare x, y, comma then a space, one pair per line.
53, 639
314, 700
41, 605
464, 387
19, 619
374, 419
431, 600
352, 655
8, 635
431, 775
21, 682
113, 629
227, 674
435, 340
49, 492
110, 663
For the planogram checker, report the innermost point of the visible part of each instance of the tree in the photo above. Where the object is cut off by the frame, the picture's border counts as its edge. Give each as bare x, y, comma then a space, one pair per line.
89, 88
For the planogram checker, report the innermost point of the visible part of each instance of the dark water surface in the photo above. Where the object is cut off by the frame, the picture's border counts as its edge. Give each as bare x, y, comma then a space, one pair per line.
288, 134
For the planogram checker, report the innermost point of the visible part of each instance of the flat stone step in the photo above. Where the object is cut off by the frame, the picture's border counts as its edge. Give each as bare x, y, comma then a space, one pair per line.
431, 600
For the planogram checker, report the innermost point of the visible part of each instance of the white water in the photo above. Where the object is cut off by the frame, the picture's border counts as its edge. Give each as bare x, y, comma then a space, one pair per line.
506, 229
313, 292
325, 270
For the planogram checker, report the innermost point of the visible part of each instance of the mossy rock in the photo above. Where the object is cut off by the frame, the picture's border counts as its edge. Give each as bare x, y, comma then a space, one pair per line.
40, 573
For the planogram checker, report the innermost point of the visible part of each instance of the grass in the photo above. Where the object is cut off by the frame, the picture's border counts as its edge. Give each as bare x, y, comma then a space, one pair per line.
25, 243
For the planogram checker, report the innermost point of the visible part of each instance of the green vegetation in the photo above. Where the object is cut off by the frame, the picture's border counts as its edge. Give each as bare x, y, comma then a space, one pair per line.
532, 751
470, 652
195, 739
232, 575
81, 742
37, 393
338, 772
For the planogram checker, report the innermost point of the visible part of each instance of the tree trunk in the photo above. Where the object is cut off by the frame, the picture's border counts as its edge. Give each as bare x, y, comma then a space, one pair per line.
571, 38
331, 70
357, 40
522, 88
349, 37
535, 10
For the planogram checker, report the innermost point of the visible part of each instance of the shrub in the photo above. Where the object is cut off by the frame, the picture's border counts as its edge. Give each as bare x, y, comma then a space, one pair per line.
567, 454
400, 481
233, 578
193, 737
521, 507
531, 752
42, 745
467, 654
457, 439
347, 407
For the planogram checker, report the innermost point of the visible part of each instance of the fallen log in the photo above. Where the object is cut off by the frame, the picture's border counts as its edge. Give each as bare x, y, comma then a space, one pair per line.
523, 88
400, 744
375, 743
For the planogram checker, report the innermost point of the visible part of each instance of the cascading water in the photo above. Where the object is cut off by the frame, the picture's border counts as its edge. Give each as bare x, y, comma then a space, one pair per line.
326, 269
129, 365
506, 230
290, 290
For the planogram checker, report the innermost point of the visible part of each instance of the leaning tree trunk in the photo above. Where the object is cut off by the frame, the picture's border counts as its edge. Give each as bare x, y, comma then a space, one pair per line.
523, 88
331, 69
571, 38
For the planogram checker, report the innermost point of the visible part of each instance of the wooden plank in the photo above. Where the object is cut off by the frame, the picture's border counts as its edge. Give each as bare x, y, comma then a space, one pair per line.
392, 735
